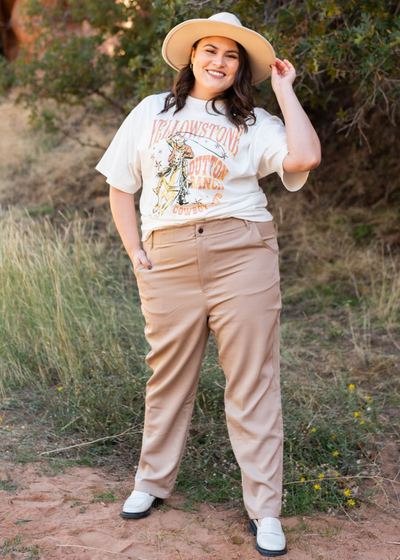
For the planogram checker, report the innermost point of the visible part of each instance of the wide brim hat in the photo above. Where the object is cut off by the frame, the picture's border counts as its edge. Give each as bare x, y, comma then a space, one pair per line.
177, 46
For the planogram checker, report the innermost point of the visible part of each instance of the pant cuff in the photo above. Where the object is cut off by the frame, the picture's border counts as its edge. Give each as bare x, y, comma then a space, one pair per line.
152, 489
271, 512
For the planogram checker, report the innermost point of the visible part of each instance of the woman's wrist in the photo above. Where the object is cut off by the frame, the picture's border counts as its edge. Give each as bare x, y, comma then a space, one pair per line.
283, 91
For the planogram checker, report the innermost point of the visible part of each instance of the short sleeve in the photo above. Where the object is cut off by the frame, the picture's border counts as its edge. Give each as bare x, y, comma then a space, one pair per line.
270, 149
121, 162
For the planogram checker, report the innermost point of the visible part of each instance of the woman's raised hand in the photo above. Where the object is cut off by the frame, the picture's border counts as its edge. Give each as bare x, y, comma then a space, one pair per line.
283, 73
139, 257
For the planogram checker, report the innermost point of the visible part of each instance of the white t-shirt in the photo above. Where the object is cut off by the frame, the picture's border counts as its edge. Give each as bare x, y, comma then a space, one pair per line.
196, 165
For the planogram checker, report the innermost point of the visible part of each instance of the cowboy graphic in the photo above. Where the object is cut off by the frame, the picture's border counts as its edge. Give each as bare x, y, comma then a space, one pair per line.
173, 181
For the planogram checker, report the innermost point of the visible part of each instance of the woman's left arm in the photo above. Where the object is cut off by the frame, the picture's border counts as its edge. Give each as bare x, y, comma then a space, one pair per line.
302, 140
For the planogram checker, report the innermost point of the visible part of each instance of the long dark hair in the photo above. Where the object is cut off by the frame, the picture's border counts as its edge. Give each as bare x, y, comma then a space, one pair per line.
239, 102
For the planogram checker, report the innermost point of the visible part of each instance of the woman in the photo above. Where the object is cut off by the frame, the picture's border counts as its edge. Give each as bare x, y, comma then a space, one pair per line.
210, 257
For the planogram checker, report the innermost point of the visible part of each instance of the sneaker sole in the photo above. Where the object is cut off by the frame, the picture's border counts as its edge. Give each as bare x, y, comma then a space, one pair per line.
157, 502
264, 551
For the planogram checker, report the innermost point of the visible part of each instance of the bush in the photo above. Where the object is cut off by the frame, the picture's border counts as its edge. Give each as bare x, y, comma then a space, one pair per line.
346, 53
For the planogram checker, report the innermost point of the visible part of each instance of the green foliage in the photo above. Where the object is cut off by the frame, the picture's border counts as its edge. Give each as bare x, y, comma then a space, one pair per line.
103, 497
346, 53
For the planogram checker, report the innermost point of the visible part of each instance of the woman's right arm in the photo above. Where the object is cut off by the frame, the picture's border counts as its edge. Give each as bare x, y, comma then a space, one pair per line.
124, 214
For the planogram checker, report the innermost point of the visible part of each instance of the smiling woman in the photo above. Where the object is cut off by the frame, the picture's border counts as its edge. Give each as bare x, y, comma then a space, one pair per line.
215, 61
209, 259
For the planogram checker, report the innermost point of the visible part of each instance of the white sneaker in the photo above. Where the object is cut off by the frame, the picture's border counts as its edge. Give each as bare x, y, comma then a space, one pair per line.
139, 505
270, 538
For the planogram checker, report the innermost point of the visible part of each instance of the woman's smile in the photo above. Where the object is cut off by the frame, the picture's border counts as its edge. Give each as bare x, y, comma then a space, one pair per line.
216, 74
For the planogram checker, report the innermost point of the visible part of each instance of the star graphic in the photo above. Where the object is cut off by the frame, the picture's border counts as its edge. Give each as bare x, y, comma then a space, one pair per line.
160, 151
152, 156
224, 155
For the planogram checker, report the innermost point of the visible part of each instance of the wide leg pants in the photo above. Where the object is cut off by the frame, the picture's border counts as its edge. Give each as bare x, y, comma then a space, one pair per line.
221, 275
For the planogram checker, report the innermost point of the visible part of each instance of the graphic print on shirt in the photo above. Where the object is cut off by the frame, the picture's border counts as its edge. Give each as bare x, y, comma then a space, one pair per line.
173, 181
195, 164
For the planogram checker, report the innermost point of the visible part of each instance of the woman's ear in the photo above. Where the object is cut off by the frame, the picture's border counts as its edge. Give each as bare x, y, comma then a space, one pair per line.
192, 55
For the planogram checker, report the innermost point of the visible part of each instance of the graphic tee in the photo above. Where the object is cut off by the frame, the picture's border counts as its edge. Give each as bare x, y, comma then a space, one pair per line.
196, 165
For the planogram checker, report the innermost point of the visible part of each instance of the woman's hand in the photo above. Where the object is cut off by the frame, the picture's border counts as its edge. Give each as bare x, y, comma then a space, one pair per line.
139, 257
283, 74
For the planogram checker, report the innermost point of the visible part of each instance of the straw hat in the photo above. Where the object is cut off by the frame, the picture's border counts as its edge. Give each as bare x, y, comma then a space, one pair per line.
177, 46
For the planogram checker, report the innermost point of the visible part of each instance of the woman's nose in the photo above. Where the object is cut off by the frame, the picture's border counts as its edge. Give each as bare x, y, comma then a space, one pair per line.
219, 61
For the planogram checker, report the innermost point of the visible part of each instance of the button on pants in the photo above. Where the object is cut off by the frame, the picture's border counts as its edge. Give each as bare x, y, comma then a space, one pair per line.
221, 275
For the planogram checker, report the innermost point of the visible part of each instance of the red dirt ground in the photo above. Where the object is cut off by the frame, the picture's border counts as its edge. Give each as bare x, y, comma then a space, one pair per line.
58, 516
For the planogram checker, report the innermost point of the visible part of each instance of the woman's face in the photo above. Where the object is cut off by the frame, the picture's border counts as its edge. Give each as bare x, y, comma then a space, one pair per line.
215, 63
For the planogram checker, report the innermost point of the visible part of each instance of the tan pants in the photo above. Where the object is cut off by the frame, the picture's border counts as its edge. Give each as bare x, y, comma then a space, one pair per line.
221, 275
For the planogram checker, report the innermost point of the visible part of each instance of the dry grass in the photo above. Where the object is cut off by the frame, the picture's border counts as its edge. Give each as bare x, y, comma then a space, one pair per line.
46, 171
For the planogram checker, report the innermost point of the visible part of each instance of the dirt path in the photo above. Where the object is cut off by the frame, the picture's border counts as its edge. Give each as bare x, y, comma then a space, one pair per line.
53, 517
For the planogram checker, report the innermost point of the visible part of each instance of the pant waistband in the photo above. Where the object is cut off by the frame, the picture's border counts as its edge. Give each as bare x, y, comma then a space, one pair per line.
185, 232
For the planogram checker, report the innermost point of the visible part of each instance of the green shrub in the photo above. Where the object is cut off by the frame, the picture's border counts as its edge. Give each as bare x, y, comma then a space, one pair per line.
346, 53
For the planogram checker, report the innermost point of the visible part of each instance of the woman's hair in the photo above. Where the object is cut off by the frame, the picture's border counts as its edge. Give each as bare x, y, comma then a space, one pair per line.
239, 102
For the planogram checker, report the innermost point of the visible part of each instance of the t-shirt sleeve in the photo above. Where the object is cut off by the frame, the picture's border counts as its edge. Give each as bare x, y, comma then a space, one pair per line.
121, 162
270, 149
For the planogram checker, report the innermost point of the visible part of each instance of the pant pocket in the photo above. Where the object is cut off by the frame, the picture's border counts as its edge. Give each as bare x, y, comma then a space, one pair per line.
265, 233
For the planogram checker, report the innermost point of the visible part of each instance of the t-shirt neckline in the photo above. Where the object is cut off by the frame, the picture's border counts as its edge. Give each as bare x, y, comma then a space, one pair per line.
202, 103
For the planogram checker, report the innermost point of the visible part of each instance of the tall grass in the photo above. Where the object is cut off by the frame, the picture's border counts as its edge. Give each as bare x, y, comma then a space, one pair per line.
71, 327
70, 319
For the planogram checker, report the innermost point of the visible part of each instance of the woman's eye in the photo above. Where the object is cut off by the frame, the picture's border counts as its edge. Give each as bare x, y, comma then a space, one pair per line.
210, 51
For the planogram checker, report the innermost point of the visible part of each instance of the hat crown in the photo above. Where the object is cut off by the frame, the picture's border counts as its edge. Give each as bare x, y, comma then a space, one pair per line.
226, 17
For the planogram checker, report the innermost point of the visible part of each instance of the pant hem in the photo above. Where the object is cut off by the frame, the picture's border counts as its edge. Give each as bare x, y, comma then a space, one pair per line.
152, 489
264, 513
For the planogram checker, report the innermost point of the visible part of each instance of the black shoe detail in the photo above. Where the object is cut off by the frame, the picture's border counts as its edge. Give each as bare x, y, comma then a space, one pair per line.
157, 502
264, 551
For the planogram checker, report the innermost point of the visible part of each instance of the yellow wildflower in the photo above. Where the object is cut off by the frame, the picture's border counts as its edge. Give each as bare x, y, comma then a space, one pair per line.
336, 473
60, 388
313, 430
351, 387
302, 479
335, 453
320, 475
362, 422
347, 492
356, 414
317, 487
351, 502
333, 437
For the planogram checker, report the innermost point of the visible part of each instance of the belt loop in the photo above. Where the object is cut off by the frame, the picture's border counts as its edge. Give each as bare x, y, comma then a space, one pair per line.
151, 239
247, 223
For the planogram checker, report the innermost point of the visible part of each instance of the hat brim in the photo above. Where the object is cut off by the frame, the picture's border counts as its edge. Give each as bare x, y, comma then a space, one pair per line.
177, 46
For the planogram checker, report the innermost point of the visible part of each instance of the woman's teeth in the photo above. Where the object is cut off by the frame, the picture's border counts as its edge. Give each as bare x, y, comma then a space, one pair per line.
216, 74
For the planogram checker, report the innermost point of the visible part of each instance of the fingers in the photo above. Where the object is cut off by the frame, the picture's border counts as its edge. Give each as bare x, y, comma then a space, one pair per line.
146, 263
140, 257
283, 65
